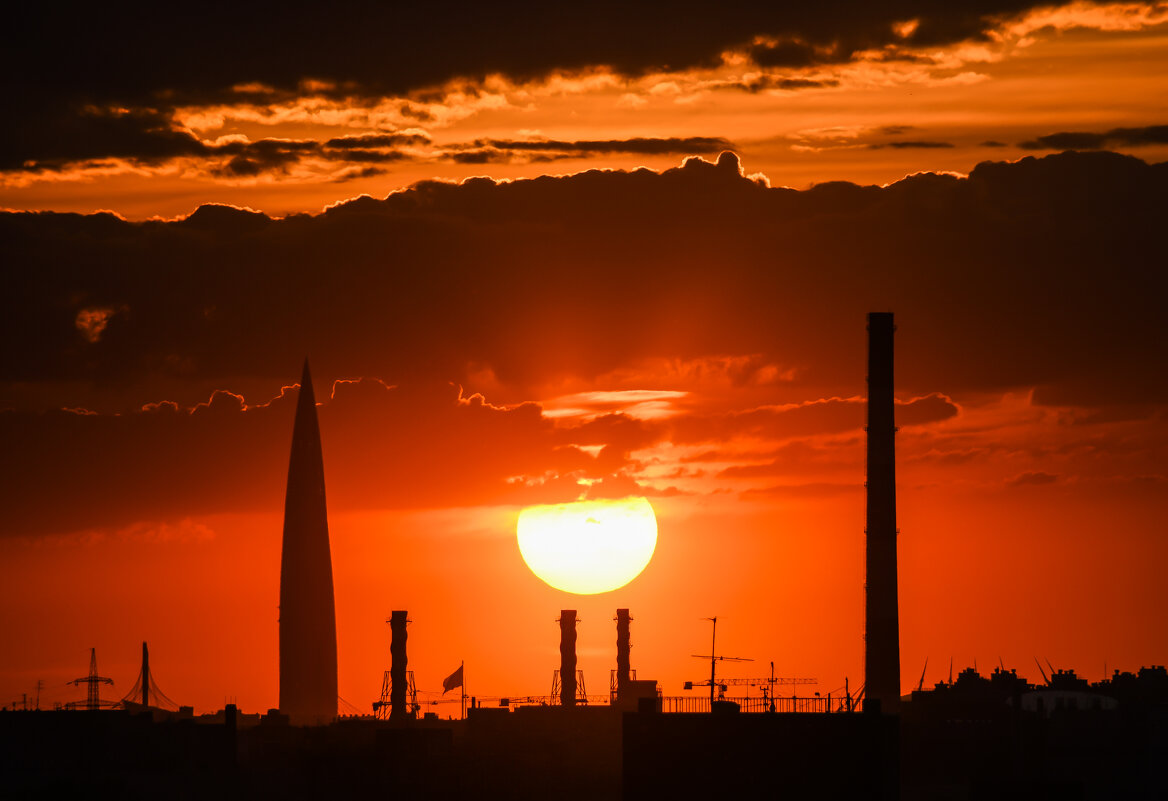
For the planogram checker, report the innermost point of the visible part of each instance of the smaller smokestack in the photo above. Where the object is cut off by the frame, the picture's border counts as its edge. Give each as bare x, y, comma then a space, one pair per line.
622, 649
397, 667
567, 657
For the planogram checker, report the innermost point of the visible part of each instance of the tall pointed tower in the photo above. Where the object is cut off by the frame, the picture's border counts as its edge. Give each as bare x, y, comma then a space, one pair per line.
308, 625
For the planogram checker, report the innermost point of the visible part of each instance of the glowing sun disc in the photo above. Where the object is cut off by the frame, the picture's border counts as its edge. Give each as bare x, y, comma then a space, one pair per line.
588, 547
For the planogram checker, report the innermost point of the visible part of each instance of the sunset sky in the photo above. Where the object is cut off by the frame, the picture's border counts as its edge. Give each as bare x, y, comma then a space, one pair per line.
541, 252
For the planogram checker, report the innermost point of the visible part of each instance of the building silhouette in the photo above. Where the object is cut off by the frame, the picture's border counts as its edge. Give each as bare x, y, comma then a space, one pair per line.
308, 629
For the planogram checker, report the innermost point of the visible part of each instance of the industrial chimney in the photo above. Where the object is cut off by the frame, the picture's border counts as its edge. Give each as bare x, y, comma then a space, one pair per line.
145, 675
622, 649
882, 626
397, 667
567, 657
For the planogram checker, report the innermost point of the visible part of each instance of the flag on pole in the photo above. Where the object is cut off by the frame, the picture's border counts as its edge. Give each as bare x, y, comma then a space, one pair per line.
452, 681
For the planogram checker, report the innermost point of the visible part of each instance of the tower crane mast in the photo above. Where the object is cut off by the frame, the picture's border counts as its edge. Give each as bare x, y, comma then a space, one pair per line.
714, 660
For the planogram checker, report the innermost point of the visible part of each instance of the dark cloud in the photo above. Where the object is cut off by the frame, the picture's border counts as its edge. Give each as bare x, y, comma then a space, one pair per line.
692, 144
366, 141
416, 445
802, 458
759, 83
792, 53
816, 418
235, 159
1032, 478
360, 156
1116, 137
151, 58
147, 140
909, 145
992, 143
1036, 275
483, 156
487, 151
264, 155
1030, 274
922, 411
812, 489
357, 173
146, 136
68, 471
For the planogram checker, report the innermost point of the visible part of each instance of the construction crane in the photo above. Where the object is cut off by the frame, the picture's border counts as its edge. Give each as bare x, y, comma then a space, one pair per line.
714, 660
767, 684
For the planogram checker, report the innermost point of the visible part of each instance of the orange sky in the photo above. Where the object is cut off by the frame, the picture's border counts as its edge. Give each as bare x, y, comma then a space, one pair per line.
692, 332
883, 113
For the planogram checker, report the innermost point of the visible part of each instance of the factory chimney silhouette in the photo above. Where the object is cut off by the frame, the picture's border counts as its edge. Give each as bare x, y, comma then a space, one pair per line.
882, 624
308, 626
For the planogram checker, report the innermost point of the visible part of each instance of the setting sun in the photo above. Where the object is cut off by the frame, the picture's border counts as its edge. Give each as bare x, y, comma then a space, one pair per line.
588, 547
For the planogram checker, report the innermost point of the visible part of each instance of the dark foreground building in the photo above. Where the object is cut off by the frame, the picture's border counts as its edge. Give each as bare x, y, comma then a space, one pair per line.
977, 739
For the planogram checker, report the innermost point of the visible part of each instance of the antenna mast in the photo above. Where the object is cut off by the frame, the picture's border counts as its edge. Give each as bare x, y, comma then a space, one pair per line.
715, 659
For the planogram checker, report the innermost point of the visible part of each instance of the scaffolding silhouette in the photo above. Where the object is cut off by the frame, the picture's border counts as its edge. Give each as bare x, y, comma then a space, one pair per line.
581, 693
614, 683
382, 708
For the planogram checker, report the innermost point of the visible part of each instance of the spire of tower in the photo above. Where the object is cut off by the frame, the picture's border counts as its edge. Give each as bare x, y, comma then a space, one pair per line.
308, 631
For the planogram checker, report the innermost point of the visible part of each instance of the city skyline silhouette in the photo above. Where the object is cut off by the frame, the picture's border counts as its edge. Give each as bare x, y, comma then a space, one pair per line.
537, 257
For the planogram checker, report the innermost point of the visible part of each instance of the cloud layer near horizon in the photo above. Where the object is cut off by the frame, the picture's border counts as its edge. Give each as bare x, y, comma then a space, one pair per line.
1034, 274
739, 305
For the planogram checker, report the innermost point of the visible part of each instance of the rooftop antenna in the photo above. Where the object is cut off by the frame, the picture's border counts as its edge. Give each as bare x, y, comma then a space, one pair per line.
950, 670
715, 659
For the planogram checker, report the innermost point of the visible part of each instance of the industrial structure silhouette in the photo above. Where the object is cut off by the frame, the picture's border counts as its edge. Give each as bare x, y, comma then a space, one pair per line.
882, 616
308, 626
973, 737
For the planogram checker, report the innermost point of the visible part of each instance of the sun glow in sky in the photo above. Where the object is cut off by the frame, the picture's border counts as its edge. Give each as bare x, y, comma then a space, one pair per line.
627, 253
588, 547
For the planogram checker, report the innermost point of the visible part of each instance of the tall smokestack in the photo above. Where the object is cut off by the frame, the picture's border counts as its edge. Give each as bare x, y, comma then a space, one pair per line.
397, 667
145, 676
308, 623
882, 640
568, 657
622, 649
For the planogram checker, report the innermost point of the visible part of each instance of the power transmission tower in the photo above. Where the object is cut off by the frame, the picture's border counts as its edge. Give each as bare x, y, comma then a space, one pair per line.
92, 681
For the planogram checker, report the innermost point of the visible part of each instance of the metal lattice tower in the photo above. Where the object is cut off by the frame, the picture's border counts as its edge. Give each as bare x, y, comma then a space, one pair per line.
383, 706
559, 689
92, 682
